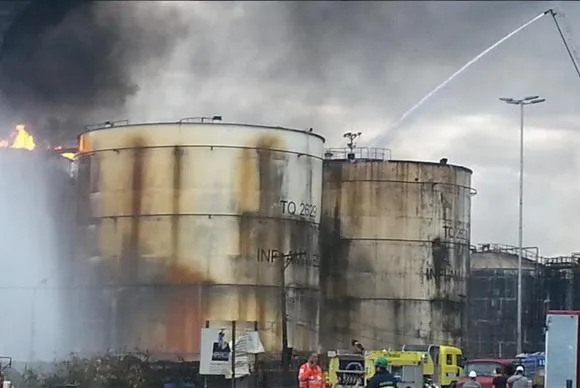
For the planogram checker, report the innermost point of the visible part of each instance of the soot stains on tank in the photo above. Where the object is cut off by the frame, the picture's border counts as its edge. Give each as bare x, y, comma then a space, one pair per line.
271, 167
176, 199
334, 253
259, 171
262, 171
440, 261
121, 304
452, 315
130, 253
398, 315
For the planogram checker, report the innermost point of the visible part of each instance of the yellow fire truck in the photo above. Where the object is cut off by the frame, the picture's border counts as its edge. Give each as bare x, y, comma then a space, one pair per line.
415, 366
444, 364
347, 369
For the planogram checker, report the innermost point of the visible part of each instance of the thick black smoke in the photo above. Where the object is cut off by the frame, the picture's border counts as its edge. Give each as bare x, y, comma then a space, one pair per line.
64, 64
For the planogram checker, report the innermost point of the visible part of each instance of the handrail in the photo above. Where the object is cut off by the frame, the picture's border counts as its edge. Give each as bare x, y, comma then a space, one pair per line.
364, 153
106, 124
529, 253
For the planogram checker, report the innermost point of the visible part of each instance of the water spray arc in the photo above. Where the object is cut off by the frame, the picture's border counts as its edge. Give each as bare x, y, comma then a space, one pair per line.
404, 116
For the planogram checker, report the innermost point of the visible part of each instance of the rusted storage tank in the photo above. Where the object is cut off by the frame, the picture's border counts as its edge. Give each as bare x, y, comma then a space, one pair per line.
395, 251
189, 222
492, 287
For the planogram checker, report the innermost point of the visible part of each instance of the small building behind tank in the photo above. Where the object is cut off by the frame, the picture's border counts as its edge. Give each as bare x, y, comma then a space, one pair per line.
492, 313
186, 222
394, 248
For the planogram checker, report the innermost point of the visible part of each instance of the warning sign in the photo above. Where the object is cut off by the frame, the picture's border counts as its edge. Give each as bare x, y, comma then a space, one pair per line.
215, 352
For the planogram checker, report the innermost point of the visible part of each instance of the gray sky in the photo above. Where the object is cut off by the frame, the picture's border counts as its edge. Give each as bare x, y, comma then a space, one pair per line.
353, 65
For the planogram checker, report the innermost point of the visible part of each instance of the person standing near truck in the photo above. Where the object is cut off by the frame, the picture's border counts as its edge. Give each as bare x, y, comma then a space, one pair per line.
310, 373
472, 383
499, 381
518, 380
382, 377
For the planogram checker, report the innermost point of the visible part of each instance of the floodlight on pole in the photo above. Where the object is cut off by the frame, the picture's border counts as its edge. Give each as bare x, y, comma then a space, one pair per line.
522, 103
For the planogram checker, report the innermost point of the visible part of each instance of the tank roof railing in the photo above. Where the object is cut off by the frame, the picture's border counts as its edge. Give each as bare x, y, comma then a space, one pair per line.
200, 119
529, 253
362, 153
563, 261
106, 124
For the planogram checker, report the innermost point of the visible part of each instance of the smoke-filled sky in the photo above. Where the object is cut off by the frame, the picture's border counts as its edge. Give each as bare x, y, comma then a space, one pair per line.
359, 66
335, 67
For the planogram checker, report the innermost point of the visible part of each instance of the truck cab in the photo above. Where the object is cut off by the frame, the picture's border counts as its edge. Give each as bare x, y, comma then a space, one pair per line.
444, 364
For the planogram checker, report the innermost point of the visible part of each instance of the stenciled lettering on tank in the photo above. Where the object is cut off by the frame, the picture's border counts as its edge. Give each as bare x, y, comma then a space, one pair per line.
295, 208
446, 273
292, 257
455, 231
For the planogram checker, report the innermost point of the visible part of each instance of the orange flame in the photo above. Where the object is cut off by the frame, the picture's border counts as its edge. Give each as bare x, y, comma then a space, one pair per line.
20, 138
66, 154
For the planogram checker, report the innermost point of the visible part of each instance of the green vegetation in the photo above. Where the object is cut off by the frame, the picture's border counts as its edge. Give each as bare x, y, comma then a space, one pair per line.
109, 370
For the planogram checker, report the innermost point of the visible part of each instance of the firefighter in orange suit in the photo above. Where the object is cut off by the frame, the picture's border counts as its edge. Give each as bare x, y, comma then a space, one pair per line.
310, 374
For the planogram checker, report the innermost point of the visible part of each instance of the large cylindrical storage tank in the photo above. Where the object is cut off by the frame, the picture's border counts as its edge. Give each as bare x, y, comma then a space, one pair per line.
183, 223
395, 252
493, 289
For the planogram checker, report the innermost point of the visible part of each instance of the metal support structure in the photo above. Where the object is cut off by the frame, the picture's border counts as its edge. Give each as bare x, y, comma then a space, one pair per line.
522, 103
200, 119
284, 263
205, 376
520, 234
233, 354
256, 371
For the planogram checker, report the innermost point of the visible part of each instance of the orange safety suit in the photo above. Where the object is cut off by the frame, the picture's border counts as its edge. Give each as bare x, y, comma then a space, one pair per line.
310, 377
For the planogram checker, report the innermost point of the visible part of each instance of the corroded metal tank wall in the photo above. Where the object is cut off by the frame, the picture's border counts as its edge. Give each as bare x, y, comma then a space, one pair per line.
184, 223
395, 252
36, 229
492, 294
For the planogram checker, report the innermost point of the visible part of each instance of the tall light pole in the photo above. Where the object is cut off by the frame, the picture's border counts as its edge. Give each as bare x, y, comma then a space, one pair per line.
522, 103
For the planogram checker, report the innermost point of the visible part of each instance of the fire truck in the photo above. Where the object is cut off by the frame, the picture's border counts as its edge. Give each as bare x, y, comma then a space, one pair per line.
347, 369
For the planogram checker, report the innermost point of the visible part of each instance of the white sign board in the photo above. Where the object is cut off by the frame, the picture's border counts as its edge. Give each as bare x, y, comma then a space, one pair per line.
215, 352
247, 344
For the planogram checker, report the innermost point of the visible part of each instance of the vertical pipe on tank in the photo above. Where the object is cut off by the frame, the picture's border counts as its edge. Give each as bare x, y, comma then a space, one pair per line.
284, 313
